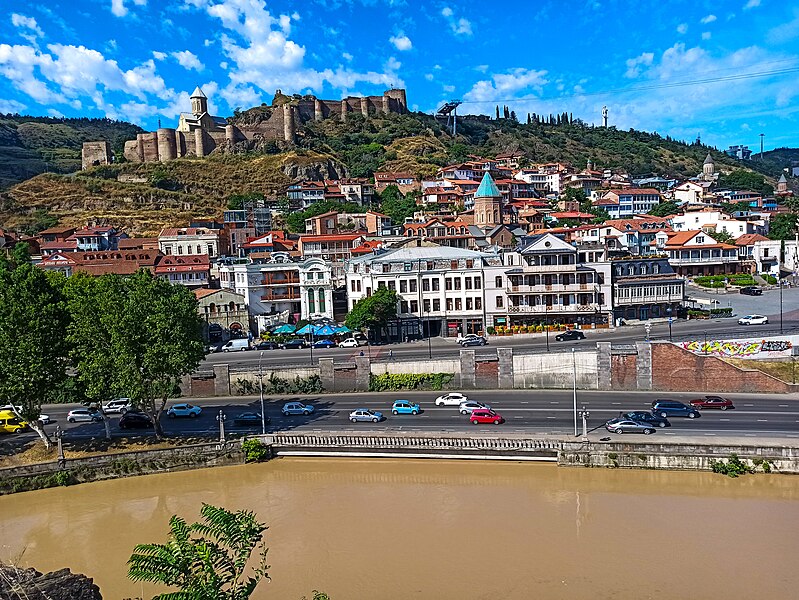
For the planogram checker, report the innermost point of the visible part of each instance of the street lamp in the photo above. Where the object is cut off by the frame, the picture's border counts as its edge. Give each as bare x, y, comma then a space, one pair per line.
671, 320
648, 328
574, 389
221, 418
429, 337
261, 389
546, 321
311, 345
62, 461
779, 281
584, 414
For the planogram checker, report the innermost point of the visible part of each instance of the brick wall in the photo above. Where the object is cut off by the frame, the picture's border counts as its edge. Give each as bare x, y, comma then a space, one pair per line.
676, 370
624, 371
485, 373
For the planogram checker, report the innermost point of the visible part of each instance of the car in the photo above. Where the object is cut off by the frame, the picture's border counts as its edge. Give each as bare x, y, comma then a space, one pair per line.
751, 290
250, 418
364, 414
570, 335
296, 408
84, 414
451, 399
324, 344
485, 415
43, 419
468, 406
267, 345
712, 402
236, 345
473, 341
468, 336
9, 423
405, 407
622, 425
135, 420
647, 417
348, 343
295, 344
673, 408
753, 320
183, 410
120, 405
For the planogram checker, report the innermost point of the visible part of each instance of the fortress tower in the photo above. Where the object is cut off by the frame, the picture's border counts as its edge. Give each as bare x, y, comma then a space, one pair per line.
487, 204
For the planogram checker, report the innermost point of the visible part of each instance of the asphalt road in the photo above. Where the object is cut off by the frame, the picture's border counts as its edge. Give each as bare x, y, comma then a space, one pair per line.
525, 411
447, 348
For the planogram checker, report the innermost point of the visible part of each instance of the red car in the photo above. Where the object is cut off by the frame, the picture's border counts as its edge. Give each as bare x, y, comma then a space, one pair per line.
484, 415
712, 402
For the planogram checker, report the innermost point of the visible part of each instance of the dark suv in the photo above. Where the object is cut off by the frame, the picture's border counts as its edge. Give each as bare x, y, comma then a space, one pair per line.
295, 344
751, 290
648, 418
672, 408
570, 335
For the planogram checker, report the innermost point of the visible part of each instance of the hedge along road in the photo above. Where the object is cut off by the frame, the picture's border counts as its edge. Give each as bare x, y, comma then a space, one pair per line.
525, 411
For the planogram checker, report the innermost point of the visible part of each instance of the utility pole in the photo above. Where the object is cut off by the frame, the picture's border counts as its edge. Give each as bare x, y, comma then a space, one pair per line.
762, 135
574, 389
261, 387
779, 282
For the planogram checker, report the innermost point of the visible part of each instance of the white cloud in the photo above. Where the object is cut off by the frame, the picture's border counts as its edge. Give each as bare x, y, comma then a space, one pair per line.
428, 76
501, 85
751, 4
787, 32
481, 68
159, 55
11, 106
682, 28
120, 10
634, 64
29, 23
347, 56
401, 42
449, 88
707, 19
706, 35
459, 26
188, 60
54, 112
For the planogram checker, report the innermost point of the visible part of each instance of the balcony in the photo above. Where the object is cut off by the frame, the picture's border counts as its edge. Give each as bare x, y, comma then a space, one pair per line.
545, 289
272, 296
703, 258
543, 309
280, 279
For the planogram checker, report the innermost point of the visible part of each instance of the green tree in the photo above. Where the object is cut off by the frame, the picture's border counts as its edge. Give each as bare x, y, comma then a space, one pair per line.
33, 350
739, 179
734, 207
375, 311
783, 226
296, 220
206, 560
395, 205
664, 209
723, 237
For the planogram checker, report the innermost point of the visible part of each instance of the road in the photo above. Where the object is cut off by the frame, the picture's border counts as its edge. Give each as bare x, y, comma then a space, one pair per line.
447, 348
525, 411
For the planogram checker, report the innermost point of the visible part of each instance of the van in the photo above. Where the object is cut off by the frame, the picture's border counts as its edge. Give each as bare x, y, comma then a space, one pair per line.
360, 338
236, 345
9, 423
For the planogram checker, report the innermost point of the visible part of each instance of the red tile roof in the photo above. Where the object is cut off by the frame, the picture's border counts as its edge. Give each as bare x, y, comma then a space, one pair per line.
750, 238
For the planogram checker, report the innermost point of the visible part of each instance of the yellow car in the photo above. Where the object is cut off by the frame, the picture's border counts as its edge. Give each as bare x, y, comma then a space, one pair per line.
9, 423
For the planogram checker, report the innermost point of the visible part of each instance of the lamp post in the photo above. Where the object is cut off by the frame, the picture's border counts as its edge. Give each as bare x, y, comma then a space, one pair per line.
574, 389
261, 389
546, 321
62, 461
779, 281
648, 328
311, 345
429, 337
584, 414
221, 418
671, 320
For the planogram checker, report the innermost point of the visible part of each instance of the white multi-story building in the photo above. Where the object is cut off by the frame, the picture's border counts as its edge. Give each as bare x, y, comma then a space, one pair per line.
185, 241
281, 290
715, 220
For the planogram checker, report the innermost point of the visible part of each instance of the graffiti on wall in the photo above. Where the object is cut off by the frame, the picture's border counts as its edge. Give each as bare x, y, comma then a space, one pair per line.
737, 349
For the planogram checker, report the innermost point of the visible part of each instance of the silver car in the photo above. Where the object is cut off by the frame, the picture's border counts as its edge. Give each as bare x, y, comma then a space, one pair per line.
296, 408
84, 414
621, 425
467, 407
364, 414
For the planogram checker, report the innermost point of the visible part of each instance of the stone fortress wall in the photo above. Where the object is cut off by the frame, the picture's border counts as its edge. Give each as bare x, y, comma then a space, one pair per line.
205, 134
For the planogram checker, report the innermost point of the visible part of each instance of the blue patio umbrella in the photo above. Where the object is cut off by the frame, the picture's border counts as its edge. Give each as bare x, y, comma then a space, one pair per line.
306, 330
284, 329
324, 330
343, 329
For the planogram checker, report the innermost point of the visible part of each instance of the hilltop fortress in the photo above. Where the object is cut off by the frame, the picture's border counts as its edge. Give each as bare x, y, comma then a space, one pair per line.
198, 133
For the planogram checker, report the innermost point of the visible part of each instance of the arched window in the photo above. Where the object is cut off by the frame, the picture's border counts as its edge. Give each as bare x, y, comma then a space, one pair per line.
322, 300
311, 302
231, 307
212, 308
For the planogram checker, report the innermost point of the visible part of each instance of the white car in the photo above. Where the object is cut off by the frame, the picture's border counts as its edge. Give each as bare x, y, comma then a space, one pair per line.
451, 399
348, 343
753, 320
183, 410
120, 405
84, 414
467, 407
468, 336
43, 419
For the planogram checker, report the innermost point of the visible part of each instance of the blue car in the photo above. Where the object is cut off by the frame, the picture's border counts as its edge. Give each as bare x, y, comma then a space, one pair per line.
324, 344
405, 407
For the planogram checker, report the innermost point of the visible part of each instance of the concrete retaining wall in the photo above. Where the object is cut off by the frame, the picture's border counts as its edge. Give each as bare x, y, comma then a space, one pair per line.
555, 370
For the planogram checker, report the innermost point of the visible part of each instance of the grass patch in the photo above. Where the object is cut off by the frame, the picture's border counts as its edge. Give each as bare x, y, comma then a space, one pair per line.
784, 370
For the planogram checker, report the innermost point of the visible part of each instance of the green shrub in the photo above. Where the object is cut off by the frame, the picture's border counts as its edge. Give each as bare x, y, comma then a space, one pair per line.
770, 279
392, 382
277, 385
254, 450
733, 467
490, 330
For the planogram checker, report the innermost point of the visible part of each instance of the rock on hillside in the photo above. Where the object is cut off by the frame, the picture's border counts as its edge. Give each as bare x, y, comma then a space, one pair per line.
30, 584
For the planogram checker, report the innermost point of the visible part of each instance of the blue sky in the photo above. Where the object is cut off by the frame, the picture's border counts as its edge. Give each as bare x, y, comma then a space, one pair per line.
726, 70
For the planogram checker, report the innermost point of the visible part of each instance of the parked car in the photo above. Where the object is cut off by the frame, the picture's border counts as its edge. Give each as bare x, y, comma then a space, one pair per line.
43, 419
451, 399
753, 320
648, 418
84, 414
295, 344
672, 408
183, 410
622, 425
751, 290
120, 406
712, 402
250, 418
473, 341
485, 415
570, 335
348, 343
9, 423
135, 420
324, 344
296, 408
467, 407
405, 407
236, 345
267, 345
364, 414
468, 336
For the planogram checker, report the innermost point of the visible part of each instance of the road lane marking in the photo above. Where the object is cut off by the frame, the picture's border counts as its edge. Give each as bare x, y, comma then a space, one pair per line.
551, 417
710, 434
525, 402
723, 419
762, 420
554, 402
783, 405
748, 404
616, 403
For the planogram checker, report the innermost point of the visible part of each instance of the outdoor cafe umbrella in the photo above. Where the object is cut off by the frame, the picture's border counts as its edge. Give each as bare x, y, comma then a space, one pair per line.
284, 329
306, 330
324, 330
343, 329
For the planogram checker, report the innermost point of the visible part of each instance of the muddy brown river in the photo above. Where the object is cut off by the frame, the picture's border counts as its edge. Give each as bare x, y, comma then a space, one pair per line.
373, 528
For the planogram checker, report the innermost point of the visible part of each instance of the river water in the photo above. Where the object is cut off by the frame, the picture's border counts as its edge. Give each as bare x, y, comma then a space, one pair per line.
373, 528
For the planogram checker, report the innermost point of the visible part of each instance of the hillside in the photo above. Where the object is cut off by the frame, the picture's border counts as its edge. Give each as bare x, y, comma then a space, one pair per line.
33, 145
150, 196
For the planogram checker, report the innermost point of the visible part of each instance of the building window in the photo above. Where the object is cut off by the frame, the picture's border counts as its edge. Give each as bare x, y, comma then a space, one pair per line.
210, 249
386, 268
403, 286
449, 303
403, 306
478, 282
430, 265
435, 284
359, 286
458, 304
425, 285
311, 302
426, 304
478, 304
408, 266
453, 265
413, 286
498, 281
392, 285
469, 304
414, 306
368, 291
469, 264
436, 305
353, 285
500, 302
448, 283
467, 282
457, 283
167, 250
322, 303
